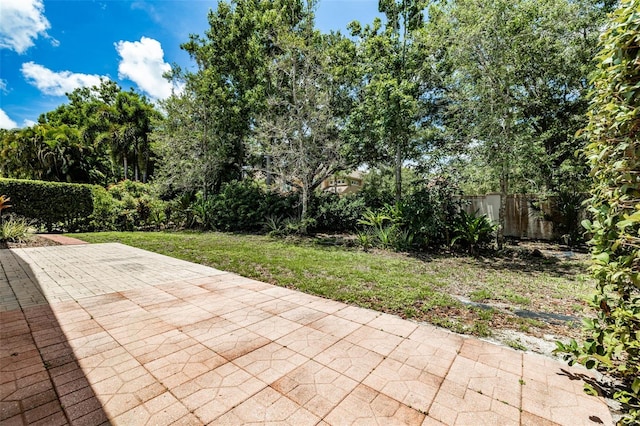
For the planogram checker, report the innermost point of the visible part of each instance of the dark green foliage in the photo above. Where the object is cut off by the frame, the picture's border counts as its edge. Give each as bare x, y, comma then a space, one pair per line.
240, 206
378, 190
127, 206
51, 205
472, 231
96, 137
334, 213
423, 218
613, 151
179, 210
569, 206
428, 212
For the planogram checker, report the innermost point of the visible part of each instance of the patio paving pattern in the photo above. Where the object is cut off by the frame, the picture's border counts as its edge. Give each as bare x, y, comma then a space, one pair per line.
110, 334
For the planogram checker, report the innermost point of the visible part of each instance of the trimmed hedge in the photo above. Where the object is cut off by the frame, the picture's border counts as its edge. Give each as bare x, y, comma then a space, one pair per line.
50, 204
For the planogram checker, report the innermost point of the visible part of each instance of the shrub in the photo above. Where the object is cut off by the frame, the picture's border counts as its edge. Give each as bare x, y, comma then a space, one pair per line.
334, 213
422, 218
569, 205
127, 206
240, 206
472, 231
179, 212
66, 206
202, 210
614, 155
105, 210
429, 210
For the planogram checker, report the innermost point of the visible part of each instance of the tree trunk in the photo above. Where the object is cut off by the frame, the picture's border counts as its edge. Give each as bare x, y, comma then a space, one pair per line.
145, 172
305, 207
502, 210
398, 167
269, 178
125, 166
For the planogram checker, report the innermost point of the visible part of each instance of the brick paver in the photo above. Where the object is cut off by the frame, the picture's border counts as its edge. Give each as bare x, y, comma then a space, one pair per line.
109, 334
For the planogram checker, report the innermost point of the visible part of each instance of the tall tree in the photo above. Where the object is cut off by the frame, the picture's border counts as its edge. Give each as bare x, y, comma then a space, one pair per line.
300, 129
391, 94
85, 139
114, 129
229, 84
191, 157
513, 90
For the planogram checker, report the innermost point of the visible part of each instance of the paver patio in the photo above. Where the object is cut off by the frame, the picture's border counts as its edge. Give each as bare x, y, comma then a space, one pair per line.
106, 333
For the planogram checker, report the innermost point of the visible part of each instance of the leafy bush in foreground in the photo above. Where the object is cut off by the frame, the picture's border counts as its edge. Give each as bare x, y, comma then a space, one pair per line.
614, 155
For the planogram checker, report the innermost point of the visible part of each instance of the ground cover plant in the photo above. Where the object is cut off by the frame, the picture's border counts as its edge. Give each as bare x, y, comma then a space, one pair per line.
421, 288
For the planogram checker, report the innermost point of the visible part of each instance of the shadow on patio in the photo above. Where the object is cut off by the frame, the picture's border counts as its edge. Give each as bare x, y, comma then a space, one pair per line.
41, 380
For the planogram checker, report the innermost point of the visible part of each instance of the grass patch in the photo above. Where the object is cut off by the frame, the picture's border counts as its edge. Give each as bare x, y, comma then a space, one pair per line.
516, 344
413, 287
480, 295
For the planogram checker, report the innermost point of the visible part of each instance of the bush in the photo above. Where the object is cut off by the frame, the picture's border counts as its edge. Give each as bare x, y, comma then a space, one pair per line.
427, 213
423, 218
52, 205
569, 205
105, 210
378, 190
333, 213
240, 206
613, 152
472, 231
127, 206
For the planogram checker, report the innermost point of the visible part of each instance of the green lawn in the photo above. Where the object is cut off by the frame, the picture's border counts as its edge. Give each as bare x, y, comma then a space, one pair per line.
412, 287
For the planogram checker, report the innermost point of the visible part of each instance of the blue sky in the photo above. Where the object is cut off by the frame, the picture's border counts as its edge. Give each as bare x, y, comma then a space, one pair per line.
49, 47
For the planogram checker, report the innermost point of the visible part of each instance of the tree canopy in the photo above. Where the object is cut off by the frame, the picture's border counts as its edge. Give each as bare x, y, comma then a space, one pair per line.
488, 94
98, 137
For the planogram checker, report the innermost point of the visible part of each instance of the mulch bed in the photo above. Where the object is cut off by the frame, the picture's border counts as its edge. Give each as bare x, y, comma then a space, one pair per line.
33, 241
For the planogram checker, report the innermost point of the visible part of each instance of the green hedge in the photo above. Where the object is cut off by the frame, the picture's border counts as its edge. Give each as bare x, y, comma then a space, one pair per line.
50, 204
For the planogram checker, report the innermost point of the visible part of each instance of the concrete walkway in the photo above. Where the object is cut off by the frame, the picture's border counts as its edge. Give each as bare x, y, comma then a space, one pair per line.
106, 333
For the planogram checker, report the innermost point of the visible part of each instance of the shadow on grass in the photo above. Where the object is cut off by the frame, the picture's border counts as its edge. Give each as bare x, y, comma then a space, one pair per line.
520, 261
41, 380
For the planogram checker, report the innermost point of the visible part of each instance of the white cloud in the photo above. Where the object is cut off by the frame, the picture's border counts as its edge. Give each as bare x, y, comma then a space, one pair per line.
148, 9
6, 122
143, 63
28, 123
4, 87
21, 22
56, 83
